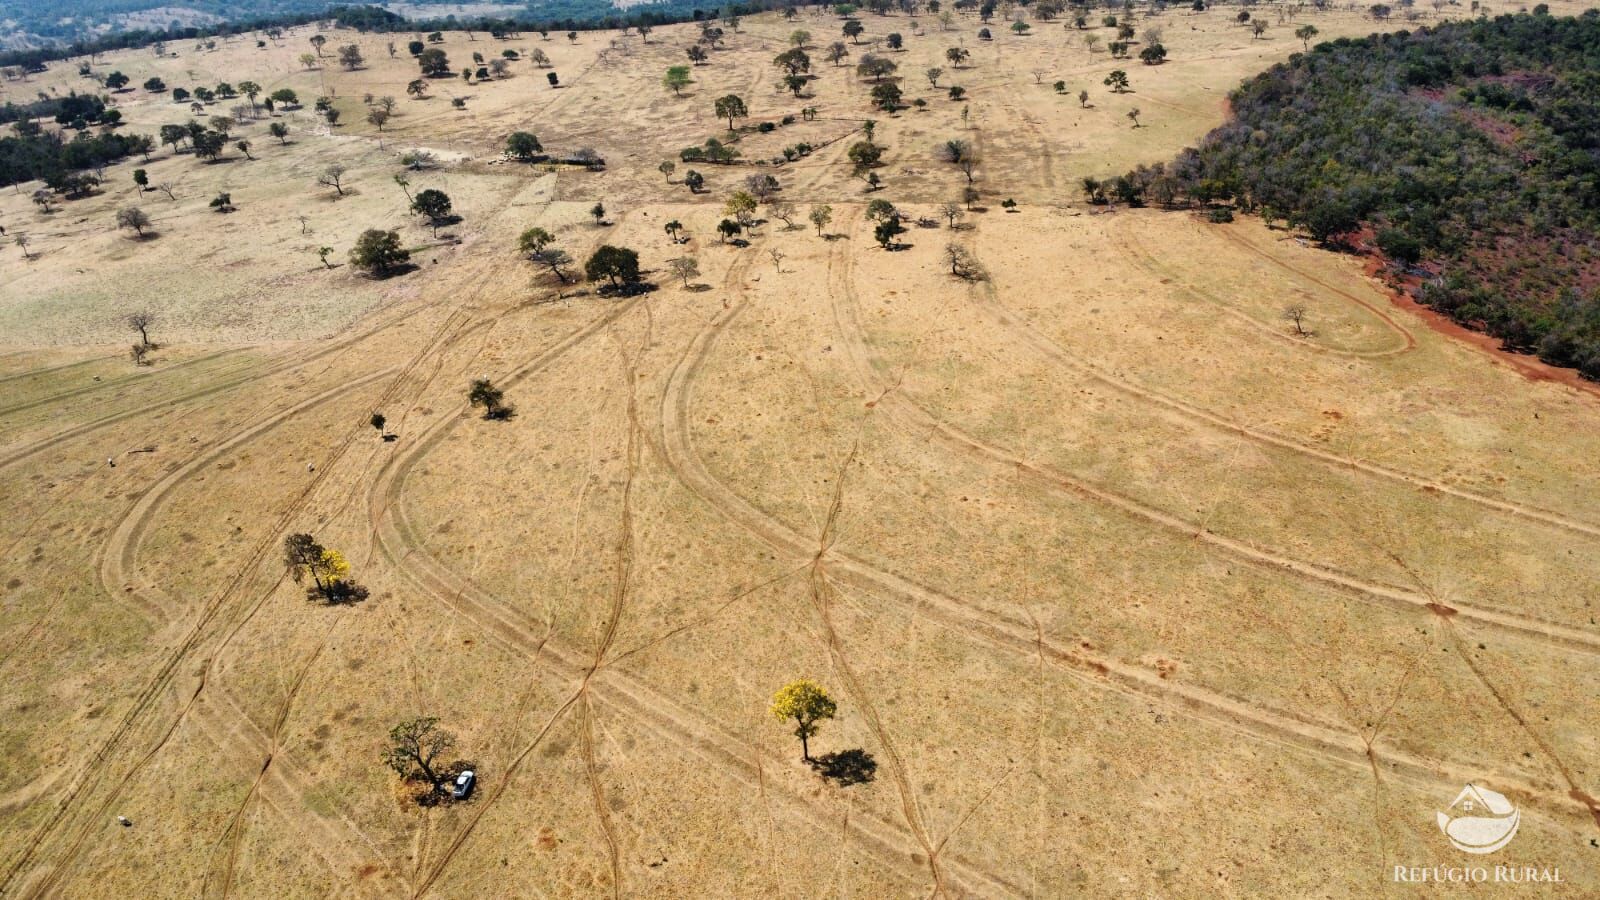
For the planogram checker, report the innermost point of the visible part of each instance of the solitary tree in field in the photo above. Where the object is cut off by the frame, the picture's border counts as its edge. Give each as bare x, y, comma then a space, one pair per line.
731, 107
141, 322
694, 181
951, 212
323, 253
820, 216
677, 78
22, 242
1297, 315
807, 704
133, 217
666, 168
482, 392
685, 267
333, 176
672, 228
523, 146
317, 41
1258, 27
377, 116
537, 245
1083, 99
433, 203
378, 421
378, 252
415, 750
1305, 33
957, 56
934, 74
619, 265
350, 57
328, 570
1117, 81
961, 154
1133, 116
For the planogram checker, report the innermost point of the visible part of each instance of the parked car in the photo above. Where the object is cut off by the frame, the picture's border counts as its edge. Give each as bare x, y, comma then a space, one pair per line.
465, 782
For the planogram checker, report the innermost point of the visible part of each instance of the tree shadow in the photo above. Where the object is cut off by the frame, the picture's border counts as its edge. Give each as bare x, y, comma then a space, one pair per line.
849, 767
698, 288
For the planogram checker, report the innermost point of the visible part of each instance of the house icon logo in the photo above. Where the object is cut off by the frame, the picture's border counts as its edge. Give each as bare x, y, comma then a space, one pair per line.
1480, 820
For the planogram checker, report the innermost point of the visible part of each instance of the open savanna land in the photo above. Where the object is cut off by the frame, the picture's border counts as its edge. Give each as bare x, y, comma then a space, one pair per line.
1123, 586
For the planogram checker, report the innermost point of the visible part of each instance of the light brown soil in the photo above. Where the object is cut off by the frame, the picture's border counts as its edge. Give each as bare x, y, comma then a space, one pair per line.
1126, 588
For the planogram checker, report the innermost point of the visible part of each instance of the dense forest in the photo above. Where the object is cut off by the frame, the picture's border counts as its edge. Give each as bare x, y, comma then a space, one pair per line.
1467, 155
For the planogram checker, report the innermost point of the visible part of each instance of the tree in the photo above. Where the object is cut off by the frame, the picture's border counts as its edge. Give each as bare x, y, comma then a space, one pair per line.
243, 147
961, 262
333, 176
666, 168
378, 252
1117, 81
22, 242
1297, 315
328, 570
697, 54
317, 41
957, 92
837, 52
1258, 28
555, 80
434, 63
728, 228
377, 116
852, 30
1020, 28
1083, 99
694, 180
141, 321
807, 704
793, 61
677, 78
417, 88
957, 56
415, 746
951, 212
155, 85
961, 154
1152, 55
598, 212
116, 81
279, 131
323, 253
783, 211
523, 146
685, 267
1133, 116
133, 217
888, 230
894, 41
536, 244
482, 392
141, 180
1305, 33
886, 96
208, 144
433, 203
820, 216
350, 57
742, 207
730, 107
617, 264
140, 354
875, 67
799, 38
864, 155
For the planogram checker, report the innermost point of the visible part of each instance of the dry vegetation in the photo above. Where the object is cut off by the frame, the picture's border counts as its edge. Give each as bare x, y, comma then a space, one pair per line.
1126, 587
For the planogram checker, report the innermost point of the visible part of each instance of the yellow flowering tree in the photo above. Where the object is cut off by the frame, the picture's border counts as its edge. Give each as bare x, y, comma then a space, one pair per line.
328, 570
806, 703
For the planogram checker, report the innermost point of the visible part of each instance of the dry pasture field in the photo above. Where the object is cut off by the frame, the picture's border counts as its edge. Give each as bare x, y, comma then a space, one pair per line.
1122, 587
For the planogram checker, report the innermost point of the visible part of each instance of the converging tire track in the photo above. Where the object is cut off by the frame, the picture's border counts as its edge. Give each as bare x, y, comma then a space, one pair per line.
1135, 250
1022, 638
514, 630
919, 421
91, 778
989, 303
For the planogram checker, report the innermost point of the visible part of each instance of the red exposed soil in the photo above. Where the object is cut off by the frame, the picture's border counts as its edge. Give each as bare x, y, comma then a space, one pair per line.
1529, 367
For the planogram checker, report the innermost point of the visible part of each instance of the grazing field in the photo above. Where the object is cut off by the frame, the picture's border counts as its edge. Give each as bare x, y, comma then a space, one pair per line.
1123, 582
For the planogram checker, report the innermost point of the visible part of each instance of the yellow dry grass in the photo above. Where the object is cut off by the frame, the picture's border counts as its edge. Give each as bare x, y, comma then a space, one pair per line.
1126, 588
